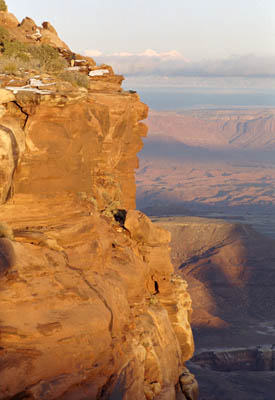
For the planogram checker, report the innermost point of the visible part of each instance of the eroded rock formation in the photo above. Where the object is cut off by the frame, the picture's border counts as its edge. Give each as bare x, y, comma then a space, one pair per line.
260, 358
90, 307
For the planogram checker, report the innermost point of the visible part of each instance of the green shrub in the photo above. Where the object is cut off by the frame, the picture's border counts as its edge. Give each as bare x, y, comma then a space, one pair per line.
14, 48
3, 5
48, 57
42, 58
75, 78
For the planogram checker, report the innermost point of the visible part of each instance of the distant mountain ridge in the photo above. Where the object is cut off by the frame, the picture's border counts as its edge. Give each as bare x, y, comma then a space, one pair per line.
231, 128
208, 160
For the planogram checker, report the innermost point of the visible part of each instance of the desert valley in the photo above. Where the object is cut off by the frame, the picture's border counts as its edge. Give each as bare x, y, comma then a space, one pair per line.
208, 176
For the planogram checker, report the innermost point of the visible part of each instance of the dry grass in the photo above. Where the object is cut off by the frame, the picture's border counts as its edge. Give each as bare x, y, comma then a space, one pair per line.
18, 57
75, 78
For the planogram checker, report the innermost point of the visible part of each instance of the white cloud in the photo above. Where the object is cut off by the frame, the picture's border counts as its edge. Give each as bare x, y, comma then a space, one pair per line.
149, 53
172, 64
121, 54
163, 55
93, 53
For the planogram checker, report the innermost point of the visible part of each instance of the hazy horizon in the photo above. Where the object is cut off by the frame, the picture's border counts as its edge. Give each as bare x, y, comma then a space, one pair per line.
203, 44
172, 99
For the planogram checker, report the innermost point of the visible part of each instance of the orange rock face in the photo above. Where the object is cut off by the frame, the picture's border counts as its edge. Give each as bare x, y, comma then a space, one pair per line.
80, 311
90, 308
87, 143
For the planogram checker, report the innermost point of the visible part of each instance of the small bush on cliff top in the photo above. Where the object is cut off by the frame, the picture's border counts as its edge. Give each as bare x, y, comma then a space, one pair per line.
15, 66
41, 58
48, 57
3, 5
9, 67
15, 49
75, 78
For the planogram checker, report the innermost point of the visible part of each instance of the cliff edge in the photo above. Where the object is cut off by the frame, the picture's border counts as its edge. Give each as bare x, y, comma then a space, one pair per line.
90, 307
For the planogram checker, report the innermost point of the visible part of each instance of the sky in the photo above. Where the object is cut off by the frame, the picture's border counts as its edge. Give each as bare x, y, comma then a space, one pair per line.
177, 42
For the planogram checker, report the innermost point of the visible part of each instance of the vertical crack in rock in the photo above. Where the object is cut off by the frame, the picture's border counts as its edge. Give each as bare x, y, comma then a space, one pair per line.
81, 274
23, 112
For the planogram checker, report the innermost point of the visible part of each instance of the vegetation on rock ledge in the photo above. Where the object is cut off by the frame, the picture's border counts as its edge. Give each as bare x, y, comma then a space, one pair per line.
75, 78
3, 5
17, 58
39, 57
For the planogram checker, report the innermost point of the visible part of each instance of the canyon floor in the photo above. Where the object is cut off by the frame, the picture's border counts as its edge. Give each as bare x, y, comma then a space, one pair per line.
208, 176
230, 270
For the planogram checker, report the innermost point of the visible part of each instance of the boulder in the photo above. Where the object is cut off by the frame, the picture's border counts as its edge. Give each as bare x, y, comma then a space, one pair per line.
8, 19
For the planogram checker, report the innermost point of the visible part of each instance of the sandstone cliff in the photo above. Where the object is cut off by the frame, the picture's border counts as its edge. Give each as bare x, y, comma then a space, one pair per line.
90, 308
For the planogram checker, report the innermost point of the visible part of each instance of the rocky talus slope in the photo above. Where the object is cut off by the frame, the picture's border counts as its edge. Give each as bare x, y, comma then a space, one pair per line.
90, 307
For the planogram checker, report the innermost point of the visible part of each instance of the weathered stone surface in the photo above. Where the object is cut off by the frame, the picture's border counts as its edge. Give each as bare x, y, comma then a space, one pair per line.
47, 25
84, 299
49, 36
28, 25
189, 385
28, 31
76, 308
92, 148
12, 146
6, 96
90, 307
8, 19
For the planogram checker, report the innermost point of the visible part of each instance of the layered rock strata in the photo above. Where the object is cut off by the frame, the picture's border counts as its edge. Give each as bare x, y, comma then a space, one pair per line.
90, 307
260, 358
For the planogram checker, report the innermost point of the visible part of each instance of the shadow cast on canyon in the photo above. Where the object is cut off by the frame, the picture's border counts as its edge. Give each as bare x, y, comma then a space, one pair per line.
167, 148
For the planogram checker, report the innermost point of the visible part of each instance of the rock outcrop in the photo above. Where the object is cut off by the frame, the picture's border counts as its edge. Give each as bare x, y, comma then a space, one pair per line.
90, 307
28, 32
260, 358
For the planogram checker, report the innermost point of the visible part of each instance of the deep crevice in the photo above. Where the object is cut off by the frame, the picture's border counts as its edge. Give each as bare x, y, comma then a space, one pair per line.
23, 112
120, 216
156, 287
22, 396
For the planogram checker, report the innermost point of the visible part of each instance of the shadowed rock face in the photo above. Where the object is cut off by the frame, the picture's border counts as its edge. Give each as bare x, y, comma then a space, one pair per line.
261, 358
230, 270
7, 255
90, 307
240, 373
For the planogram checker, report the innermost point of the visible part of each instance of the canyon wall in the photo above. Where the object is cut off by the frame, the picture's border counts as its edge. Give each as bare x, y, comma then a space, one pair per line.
90, 307
240, 129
